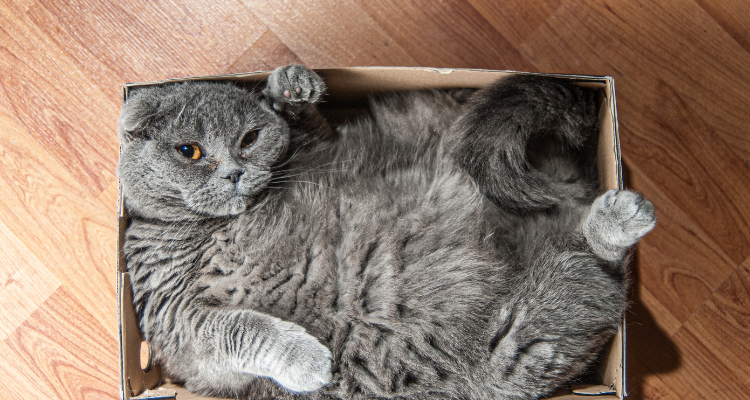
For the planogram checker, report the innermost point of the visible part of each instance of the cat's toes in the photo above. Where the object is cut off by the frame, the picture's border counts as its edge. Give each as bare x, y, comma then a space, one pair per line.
305, 363
294, 86
617, 220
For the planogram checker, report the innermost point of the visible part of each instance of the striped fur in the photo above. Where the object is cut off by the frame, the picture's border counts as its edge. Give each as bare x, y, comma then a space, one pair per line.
380, 259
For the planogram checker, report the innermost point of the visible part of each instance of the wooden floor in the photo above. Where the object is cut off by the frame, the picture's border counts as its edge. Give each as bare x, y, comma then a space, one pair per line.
682, 70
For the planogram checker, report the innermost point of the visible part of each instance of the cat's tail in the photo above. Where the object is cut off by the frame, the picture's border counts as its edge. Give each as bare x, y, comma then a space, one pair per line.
529, 141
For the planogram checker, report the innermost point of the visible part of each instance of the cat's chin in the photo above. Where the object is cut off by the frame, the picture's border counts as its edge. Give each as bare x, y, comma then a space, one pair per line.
237, 204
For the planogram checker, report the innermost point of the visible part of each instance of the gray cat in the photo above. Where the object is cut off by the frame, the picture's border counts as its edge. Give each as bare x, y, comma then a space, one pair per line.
448, 244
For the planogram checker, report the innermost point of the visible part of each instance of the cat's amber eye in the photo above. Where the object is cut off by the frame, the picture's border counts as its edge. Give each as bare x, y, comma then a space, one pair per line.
249, 139
190, 151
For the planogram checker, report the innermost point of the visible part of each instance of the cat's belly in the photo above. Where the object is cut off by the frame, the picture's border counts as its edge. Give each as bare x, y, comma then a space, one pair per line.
381, 256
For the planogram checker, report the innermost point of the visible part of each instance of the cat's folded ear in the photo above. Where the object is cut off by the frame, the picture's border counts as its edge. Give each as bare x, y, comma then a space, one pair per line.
138, 112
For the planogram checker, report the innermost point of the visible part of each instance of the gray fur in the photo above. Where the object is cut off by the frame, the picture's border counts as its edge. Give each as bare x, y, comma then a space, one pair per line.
387, 258
617, 220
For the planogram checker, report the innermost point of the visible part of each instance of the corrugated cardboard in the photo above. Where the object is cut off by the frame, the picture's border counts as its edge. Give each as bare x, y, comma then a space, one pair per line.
348, 86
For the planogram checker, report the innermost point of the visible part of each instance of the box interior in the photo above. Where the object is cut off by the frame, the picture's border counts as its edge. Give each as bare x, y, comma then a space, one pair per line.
348, 89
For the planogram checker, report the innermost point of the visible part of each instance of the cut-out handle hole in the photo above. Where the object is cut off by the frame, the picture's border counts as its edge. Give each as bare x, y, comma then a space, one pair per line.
145, 357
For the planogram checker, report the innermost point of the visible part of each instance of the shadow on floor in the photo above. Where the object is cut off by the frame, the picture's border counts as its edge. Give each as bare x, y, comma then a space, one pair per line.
650, 351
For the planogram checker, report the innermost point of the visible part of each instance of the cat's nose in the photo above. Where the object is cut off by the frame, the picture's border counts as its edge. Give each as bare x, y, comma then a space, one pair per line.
234, 176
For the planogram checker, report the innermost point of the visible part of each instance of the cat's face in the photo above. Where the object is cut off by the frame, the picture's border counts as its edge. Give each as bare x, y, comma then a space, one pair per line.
196, 150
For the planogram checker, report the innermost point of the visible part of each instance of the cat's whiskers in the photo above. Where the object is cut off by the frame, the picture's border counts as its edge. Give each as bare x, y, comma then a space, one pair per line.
168, 228
176, 238
256, 85
318, 168
285, 176
312, 183
179, 115
192, 220
281, 177
331, 163
292, 157
297, 151
175, 223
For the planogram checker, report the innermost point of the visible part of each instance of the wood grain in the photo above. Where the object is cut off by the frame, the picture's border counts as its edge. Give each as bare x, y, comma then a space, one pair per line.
330, 34
732, 16
451, 34
146, 41
57, 220
49, 94
681, 264
683, 91
695, 56
714, 344
24, 282
516, 20
267, 53
49, 350
108, 198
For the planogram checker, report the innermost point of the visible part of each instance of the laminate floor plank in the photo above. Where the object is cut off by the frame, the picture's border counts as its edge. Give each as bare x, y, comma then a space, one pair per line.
451, 34
330, 34
676, 268
48, 347
691, 52
732, 16
683, 91
674, 271
58, 221
51, 96
715, 345
651, 352
267, 53
516, 20
20, 381
108, 198
149, 41
25, 283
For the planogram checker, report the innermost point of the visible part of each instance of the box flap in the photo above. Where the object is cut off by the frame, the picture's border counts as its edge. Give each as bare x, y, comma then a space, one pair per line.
593, 390
134, 380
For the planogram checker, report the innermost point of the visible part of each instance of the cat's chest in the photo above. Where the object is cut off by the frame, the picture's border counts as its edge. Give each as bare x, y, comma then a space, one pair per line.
270, 267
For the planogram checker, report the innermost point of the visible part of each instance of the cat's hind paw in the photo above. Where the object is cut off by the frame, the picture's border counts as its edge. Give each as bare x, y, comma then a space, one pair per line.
293, 87
616, 221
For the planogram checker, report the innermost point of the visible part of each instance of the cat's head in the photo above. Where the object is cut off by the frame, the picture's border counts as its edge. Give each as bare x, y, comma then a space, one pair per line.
196, 149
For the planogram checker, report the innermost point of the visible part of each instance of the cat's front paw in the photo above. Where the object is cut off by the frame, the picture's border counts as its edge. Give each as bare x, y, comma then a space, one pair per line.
293, 86
617, 220
304, 363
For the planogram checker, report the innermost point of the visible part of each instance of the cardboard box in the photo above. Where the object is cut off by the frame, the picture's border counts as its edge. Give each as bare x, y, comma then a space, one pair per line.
347, 88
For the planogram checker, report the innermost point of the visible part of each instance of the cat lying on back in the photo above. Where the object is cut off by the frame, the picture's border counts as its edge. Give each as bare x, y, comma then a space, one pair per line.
448, 245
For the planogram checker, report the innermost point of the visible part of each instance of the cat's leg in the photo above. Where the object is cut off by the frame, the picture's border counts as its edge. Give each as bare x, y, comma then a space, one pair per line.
564, 311
220, 351
529, 141
570, 295
616, 221
293, 92
293, 87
